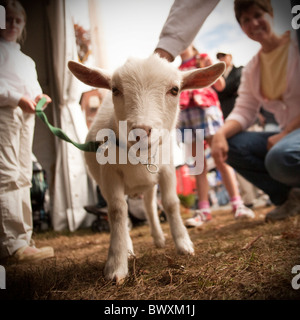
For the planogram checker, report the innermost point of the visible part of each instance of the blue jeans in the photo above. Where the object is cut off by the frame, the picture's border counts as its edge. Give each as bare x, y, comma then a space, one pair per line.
275, 171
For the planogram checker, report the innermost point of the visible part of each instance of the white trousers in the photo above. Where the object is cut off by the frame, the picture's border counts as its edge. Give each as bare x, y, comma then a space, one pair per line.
16, 136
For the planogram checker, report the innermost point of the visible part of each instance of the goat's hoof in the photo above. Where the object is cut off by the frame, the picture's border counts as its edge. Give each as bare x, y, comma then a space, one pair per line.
160, 243
131, 255
190, 252
186, 248
115, 274
119, 281
117, 278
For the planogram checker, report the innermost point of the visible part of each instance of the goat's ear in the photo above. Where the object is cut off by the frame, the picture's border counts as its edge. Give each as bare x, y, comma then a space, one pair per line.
92, 77
203, 77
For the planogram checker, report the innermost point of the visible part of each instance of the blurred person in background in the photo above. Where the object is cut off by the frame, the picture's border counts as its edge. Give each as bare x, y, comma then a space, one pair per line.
270, 160
200, 109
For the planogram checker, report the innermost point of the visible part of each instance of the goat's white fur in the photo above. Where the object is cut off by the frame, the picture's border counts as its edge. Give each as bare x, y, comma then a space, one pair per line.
144, 100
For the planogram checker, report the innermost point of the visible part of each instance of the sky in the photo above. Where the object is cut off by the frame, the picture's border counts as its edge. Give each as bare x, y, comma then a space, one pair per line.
132, 28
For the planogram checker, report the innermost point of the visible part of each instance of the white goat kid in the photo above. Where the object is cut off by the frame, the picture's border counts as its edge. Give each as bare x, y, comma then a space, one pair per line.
145, 94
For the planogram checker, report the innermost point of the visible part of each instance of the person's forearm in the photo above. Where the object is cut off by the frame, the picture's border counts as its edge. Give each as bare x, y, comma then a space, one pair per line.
183, 23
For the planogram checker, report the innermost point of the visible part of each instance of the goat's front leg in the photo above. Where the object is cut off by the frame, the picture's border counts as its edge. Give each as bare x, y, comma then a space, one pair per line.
150, 201
116, 267
171, 206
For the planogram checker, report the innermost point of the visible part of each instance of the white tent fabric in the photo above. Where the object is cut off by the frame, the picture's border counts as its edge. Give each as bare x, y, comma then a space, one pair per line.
73, 188
97, 36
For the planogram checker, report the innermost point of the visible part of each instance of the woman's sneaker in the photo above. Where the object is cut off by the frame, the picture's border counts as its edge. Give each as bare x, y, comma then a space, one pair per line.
200, 216
243, 212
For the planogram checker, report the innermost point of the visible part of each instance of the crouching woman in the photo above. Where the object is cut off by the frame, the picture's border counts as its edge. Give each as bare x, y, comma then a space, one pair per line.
271, 161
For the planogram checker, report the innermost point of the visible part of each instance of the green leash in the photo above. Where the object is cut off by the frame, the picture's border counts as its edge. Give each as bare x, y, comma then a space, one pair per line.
91, 146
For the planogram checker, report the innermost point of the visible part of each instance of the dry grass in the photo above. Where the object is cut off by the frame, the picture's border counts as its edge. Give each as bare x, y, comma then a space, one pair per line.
239, 260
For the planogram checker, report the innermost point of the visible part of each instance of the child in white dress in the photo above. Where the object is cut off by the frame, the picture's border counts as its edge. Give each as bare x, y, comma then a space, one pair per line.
19, 93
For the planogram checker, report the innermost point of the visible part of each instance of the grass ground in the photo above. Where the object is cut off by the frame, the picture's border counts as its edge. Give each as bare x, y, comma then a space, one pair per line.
236, 260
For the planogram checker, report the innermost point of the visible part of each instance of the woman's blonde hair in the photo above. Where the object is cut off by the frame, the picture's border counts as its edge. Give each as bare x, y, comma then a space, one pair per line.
240, 6
16, 6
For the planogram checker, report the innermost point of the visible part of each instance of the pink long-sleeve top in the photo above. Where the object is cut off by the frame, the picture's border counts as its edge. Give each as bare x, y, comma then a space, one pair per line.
250, 98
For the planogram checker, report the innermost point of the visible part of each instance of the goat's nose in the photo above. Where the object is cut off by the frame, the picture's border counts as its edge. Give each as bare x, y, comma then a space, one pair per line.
145, 128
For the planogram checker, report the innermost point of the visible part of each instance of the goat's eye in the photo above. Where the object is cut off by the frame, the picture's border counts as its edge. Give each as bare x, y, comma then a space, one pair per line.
116, 92
174, 91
